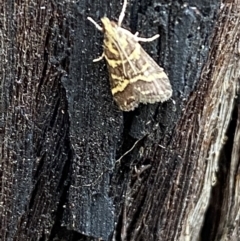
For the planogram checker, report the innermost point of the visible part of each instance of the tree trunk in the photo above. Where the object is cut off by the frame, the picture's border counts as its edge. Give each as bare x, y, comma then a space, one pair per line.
75, 167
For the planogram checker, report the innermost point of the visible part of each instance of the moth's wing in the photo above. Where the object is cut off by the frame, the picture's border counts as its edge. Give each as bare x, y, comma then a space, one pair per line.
127, 99
151, 84
117, 49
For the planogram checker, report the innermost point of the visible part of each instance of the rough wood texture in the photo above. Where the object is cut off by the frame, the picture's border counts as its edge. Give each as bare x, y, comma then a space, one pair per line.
61, 132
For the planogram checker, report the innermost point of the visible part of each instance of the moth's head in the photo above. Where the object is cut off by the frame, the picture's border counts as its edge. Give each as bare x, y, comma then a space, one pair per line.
108, 26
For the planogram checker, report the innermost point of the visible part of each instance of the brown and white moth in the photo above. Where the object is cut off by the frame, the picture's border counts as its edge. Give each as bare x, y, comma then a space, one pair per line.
134, 76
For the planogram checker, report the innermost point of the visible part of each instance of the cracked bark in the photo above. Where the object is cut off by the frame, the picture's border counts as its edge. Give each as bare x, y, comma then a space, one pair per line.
61, 132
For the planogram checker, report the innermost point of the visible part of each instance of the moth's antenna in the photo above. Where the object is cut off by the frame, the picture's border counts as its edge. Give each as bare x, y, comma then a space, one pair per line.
122, 14
95, 23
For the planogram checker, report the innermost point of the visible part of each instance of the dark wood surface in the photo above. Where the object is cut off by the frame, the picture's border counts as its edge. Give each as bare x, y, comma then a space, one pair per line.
62, 134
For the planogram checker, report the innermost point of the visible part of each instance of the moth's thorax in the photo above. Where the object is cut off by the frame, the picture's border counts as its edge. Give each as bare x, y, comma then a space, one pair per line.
113, 31
109, 27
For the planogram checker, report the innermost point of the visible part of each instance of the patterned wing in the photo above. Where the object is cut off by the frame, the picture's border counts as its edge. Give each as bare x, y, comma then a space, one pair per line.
134, 76
151, 84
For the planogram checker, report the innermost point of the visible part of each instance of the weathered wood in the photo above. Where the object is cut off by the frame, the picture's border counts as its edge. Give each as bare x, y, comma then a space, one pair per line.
61, 132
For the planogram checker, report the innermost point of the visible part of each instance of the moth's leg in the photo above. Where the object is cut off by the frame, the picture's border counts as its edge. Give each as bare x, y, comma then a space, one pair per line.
147, 39
136, 34
99, 58
95, 23
122, 14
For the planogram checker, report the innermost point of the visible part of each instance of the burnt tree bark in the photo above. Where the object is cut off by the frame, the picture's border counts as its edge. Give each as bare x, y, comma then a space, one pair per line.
61, 133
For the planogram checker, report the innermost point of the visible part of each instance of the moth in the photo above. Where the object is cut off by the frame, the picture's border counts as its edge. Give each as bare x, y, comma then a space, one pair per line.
134, 76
